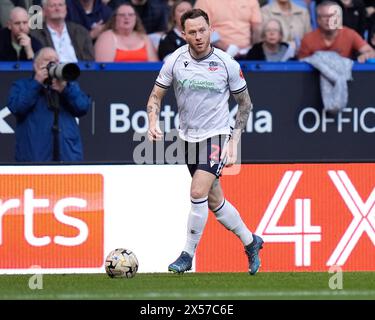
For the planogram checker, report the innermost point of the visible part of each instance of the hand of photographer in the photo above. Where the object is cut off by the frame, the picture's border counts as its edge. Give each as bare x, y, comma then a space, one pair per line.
58, 85
41, 73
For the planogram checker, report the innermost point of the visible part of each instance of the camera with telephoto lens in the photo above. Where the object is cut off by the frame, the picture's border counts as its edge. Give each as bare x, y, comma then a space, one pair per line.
63, 71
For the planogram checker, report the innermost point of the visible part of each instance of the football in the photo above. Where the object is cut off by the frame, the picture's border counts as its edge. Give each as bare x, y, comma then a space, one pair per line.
121, 263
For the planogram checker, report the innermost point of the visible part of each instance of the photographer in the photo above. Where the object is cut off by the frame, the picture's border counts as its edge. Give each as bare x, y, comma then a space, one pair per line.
45, 108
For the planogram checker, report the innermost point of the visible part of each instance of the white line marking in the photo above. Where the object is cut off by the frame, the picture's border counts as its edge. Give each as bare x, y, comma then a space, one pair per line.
201, 294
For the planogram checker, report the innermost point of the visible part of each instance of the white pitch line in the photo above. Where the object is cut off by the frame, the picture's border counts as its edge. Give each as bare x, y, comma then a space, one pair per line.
216, 294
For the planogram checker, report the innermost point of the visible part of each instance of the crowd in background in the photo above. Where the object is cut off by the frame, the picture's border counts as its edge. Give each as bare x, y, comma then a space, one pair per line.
149, 30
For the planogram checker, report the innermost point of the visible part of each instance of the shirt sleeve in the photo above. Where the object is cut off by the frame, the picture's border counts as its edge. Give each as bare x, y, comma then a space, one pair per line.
77, 102
237, 82
358, 41
165, 77
256, 15
24, 94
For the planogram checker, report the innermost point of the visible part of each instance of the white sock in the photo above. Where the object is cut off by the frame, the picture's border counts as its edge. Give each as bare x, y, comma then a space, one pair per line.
229, 217
196, 222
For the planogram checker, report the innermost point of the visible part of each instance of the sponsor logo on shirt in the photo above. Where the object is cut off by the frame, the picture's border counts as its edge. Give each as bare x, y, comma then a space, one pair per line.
194, 84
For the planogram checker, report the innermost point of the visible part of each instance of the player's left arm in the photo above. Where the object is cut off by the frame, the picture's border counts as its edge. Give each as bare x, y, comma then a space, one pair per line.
244, 108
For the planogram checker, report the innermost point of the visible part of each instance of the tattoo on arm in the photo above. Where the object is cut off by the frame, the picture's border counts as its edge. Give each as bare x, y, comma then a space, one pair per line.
244, 108
153, 105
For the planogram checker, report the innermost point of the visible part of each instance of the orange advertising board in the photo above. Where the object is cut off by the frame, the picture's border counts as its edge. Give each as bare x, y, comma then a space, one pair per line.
311, 217
51, 220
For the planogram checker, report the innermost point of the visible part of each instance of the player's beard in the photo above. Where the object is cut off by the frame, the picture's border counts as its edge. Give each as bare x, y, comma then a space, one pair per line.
202, 49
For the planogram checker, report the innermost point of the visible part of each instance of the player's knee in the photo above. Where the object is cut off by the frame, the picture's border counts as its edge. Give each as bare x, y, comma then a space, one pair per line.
197, 193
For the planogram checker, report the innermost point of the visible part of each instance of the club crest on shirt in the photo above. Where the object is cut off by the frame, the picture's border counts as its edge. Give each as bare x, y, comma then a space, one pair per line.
241, 74
213, 66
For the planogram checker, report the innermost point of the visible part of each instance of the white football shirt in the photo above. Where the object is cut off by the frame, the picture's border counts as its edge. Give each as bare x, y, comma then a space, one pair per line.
202, 89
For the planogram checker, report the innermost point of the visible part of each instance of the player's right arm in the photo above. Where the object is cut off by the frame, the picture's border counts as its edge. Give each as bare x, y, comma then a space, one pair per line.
162, 83
153, 110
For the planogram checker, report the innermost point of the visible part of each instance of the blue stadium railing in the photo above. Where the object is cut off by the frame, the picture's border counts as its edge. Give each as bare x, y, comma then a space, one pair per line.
286, 126
254, 66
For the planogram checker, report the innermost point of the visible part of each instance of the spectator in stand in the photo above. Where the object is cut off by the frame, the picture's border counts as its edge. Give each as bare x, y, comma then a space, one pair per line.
295, 20
237, 23
71, 41
92, 14
153, 13
370, 13
173, 39
272, 48
332, 36
7, 5
372, 37
124, 39
262, 2
15, 42
353, 12
354, 15
171, 2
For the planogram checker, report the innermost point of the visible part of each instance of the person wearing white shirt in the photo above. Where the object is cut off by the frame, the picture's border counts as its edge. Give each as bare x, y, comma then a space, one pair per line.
71, 41
203, 78
63, 45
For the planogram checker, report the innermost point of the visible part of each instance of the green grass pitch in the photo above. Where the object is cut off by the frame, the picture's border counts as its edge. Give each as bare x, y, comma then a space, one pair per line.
205, 286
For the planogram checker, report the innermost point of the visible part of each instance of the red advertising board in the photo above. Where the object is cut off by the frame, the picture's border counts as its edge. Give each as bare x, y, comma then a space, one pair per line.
51, 221
311, 217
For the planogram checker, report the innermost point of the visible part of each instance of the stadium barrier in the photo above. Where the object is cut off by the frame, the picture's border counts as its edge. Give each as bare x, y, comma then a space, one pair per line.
66, 219
287, 123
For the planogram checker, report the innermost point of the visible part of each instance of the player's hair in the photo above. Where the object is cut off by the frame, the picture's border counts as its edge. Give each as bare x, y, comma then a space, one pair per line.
192, 14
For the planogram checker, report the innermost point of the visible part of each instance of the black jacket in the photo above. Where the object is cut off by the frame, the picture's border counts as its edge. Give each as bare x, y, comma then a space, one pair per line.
169, 43
257, 52
21, 3
8, 53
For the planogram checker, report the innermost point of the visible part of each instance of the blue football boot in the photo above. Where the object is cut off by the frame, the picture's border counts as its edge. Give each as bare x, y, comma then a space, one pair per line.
182, 264
252, 251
